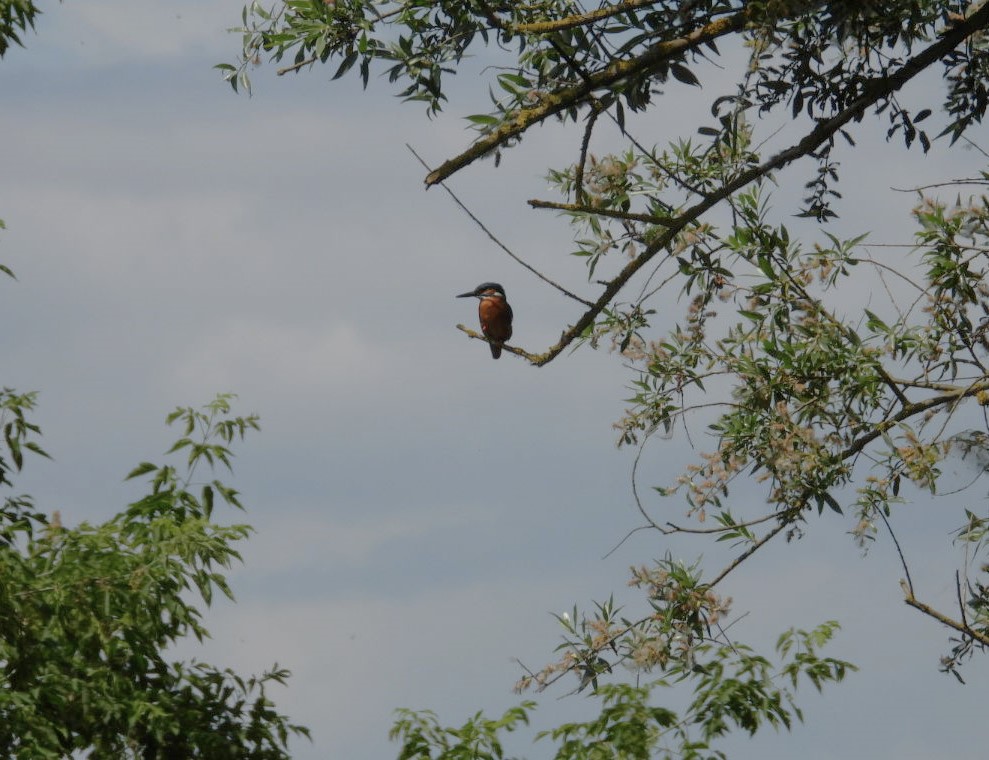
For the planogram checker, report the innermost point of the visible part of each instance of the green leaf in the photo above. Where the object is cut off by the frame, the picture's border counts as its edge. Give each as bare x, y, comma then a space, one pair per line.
346, 64
181, 443
766, 267
684, 74
142, 469
875, 323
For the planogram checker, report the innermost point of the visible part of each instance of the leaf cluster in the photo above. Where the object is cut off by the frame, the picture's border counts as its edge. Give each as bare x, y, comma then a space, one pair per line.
16, 17
87, 613
733, 688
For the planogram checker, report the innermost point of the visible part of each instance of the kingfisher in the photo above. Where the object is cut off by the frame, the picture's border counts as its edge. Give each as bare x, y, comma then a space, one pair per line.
495, 314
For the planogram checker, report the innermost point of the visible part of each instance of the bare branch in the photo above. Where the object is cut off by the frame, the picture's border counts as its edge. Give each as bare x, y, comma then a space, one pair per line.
949, 183
511, 349
899, 551
748, 553
724, 528
961, 604
578, 179
627, 536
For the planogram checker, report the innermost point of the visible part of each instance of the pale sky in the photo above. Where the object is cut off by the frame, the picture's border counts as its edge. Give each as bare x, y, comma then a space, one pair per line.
421, 510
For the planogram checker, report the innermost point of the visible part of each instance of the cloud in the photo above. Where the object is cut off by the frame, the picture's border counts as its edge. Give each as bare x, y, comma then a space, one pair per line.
105, 33
298, 359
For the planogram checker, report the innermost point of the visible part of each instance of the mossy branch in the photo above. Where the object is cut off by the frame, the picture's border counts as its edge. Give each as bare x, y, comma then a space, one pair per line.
555, 102
824, 131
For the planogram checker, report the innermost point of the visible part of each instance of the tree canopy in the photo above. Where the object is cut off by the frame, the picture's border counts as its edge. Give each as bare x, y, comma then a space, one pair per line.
829, 404
87, 613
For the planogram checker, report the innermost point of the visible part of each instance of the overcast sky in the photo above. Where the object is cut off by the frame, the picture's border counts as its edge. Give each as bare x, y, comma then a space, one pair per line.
420, 509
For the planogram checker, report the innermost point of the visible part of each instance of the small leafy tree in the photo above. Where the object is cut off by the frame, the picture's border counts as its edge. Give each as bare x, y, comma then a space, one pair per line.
830, 401
87, 612
733, 689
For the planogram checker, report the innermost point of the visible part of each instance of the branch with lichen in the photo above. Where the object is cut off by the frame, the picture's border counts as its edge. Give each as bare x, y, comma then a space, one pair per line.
553, 103
823, 132
980, 636
568, 22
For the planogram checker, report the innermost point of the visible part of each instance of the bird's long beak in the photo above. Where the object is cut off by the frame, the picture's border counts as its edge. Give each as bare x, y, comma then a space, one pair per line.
467, 295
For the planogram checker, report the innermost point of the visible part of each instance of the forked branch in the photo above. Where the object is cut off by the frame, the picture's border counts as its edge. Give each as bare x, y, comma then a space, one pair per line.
553, 103
823, 132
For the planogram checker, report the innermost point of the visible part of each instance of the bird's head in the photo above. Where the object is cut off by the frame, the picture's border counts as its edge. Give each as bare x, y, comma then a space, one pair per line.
485, 290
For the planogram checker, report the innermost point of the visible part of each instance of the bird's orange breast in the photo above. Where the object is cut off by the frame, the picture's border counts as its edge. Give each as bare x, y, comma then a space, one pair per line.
496, 318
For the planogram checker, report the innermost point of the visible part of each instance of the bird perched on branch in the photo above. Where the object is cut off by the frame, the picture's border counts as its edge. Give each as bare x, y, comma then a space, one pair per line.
494, 312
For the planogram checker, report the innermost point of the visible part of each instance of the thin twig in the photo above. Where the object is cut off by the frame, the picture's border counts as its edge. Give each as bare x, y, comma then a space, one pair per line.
747, 553
296, 66
892, 270
578, 176
581, 208
975, 145
635, 488
961, 604
899, 551
628, 535
949, 183
724, 528
501, 245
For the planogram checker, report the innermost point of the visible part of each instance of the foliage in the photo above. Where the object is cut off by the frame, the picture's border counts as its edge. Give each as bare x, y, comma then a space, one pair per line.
16, 17
86, 614
421, 735
826, 375
733, 689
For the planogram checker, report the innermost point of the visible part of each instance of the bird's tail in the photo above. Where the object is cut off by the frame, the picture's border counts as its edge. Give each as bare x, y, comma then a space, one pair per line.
495, 350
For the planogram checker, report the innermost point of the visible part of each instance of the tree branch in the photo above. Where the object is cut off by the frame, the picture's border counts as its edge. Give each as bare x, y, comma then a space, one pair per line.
511, 349
583, 19
911, 409
908, 588
501, 245
578, 178
824, 131
569, 22
723, 528
579, 208
979, 636
748, 553
553, 103
296, 66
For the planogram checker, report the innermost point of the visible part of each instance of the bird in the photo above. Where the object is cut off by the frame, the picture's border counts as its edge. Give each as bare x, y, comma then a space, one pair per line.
495, 314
